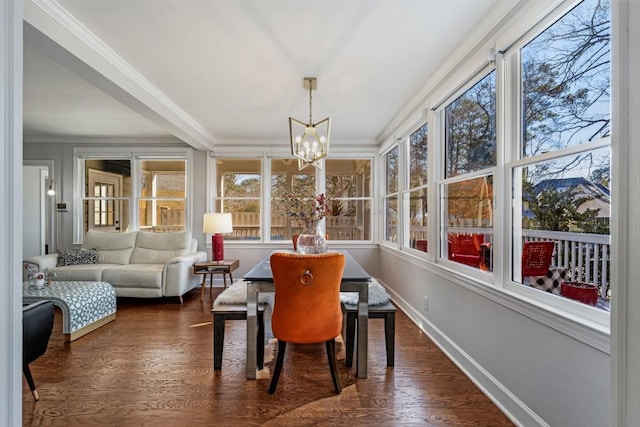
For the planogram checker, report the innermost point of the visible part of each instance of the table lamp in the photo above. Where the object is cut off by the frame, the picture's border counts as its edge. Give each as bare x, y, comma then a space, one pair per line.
216, 224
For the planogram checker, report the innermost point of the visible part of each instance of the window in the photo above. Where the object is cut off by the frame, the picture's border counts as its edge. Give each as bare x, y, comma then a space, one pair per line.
561, 179
239, 189
418, 191
246, 185
348, 186
466, 193
163, 195
286, 178
106, 198
130, 190
390, 197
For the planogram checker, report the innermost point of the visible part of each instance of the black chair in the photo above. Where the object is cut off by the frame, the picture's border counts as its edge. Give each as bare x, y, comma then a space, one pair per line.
37, 324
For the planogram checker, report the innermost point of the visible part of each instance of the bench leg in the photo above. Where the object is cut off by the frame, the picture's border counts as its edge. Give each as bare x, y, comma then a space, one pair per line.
390, 337
351, 338
260, 339
219, 320
218, 340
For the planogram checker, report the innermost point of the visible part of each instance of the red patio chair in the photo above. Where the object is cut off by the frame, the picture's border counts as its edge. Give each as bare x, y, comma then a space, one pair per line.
536, 258
465, 248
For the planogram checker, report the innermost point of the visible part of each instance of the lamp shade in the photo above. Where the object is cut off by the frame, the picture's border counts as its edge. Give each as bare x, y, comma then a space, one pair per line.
216, 223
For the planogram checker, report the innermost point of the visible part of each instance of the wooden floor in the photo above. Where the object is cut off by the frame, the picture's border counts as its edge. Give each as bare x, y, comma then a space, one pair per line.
153, 366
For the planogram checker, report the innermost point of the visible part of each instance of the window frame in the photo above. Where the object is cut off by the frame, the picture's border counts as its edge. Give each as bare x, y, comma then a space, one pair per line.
265, 198
441, 180
406, 191
80, 155
387, 196
583, 322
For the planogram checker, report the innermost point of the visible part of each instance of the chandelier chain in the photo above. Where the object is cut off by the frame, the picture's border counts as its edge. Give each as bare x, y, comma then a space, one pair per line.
310, 95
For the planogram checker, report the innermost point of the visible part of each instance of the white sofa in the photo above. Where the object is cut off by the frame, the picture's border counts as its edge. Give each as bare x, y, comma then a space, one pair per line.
137, 264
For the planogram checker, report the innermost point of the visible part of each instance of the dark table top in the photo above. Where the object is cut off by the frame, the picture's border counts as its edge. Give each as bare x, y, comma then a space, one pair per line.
353, 272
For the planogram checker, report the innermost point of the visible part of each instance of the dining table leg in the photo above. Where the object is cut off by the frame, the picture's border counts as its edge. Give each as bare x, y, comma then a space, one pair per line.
363, 331
252, 329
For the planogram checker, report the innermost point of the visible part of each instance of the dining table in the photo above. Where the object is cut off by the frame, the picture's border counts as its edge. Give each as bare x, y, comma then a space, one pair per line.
354, 279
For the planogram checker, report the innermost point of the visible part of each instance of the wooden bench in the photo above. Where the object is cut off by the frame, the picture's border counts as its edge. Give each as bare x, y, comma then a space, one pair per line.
222, 313
383, 311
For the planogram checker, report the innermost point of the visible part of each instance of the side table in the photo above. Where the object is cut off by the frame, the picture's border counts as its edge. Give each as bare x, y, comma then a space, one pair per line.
210, 268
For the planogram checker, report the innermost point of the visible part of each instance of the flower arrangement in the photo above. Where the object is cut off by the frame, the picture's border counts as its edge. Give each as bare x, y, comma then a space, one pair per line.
33, 273
305, 209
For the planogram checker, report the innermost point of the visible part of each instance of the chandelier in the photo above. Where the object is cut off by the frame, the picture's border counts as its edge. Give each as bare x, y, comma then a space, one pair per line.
309, 141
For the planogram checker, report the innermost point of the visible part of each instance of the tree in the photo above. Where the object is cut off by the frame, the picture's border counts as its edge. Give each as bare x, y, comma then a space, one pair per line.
566, 80
471, 129
559, 210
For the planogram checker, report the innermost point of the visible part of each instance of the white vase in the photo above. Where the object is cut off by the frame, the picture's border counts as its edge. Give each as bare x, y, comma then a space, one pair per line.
38, 282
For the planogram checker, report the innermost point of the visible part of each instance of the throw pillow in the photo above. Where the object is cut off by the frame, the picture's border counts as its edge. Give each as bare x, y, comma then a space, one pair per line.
77, 256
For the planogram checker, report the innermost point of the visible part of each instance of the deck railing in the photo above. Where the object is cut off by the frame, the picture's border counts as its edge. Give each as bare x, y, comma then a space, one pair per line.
586, 257
246, 226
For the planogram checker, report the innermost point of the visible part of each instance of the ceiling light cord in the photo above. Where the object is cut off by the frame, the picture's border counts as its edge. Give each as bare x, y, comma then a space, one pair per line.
310, 101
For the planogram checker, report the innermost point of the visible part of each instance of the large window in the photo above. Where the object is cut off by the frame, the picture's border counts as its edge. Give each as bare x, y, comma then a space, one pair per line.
390, 196
466, 193
523, 167
561, 178
163, 195
239, 189
130, 190
287, 179
348, 186
418, 191
252, 190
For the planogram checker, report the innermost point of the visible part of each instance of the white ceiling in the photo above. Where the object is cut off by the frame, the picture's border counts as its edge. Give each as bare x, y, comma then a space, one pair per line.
212, 71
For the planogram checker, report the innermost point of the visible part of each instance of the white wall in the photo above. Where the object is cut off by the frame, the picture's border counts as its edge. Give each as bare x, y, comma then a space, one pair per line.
534, 373
10, 214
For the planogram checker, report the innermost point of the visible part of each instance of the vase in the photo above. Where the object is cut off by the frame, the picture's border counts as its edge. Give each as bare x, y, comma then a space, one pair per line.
311, 239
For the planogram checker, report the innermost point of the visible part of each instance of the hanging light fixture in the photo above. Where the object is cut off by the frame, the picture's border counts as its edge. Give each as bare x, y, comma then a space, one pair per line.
309, 141
52, 188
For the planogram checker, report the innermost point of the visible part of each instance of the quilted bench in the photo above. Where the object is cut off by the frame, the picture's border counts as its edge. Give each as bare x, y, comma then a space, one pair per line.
85, 305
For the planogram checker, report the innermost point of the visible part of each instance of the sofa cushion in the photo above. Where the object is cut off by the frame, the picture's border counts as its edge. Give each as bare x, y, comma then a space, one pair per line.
81, 272
77, 256
158, 248
134, 275
113, 248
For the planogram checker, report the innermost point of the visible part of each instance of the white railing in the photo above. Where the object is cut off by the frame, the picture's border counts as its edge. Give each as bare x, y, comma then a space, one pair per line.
246, 225
586, 257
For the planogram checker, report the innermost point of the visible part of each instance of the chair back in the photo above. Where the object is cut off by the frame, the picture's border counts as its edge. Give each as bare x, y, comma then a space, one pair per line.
37, 324
307, 297
536, 258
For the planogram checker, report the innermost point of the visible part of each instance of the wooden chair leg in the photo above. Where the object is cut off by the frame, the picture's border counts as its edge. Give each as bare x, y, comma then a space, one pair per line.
282, 346
331, 356
32, 385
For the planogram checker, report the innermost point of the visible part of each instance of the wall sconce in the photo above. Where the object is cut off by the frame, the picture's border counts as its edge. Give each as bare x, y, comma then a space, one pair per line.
52, 188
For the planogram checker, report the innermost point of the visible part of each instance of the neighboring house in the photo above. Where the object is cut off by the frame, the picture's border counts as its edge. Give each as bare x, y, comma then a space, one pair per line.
599, 196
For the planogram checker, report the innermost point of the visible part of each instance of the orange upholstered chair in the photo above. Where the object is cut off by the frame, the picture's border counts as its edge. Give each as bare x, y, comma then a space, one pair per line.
307, 304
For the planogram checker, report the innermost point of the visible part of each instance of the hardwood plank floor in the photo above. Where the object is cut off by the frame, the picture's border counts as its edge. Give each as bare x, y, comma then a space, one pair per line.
153, 366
